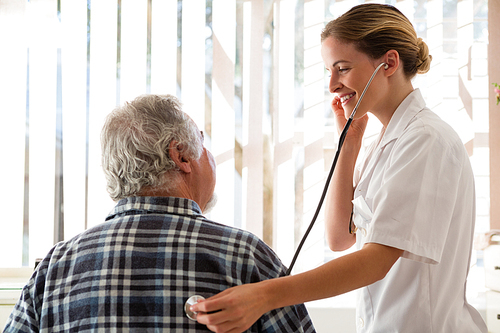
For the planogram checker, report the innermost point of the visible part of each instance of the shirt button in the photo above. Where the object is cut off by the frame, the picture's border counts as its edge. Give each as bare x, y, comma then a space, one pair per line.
361, 322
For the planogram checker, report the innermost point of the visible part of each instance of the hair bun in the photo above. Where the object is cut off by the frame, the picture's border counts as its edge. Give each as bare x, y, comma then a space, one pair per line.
424, 58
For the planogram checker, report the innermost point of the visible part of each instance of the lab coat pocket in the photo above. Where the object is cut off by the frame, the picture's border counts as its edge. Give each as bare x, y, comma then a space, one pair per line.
362, 215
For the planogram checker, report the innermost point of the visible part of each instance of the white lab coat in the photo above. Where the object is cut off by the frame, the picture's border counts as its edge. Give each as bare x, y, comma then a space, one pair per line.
415, 191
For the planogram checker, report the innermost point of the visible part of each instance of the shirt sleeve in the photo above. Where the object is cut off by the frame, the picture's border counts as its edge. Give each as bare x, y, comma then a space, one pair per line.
413, 208
287, 319
25, 317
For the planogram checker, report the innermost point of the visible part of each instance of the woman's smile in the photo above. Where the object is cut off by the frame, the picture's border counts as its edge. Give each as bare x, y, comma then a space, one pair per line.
344, 99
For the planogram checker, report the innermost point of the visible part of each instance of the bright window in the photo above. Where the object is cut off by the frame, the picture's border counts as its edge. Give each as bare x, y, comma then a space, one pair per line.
250, 74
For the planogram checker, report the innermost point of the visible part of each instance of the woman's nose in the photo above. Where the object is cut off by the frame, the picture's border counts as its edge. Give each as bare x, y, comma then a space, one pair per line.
334, 83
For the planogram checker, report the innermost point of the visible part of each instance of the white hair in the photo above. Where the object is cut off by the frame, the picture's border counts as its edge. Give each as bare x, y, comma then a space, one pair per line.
135, 141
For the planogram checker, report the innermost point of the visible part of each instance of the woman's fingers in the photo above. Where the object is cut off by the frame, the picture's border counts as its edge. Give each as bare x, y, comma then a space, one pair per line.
358, 126
225, 321
212, 304
233, 310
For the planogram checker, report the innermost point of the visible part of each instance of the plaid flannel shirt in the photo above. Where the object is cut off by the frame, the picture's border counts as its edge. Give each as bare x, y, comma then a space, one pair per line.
135, 272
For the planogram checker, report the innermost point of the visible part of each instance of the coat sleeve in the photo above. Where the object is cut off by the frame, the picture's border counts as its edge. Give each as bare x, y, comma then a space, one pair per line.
414, 206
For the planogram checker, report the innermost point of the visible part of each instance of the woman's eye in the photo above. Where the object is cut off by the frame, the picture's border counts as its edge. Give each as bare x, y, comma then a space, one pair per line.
338, 70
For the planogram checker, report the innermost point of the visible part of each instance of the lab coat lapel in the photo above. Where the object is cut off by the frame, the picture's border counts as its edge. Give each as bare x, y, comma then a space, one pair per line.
367, 170
411, 105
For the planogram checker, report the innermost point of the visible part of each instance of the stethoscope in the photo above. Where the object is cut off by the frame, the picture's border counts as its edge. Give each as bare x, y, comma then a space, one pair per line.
195, 298
330, 174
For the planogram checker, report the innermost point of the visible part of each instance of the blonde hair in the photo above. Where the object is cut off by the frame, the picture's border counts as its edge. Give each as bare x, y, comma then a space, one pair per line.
376, 29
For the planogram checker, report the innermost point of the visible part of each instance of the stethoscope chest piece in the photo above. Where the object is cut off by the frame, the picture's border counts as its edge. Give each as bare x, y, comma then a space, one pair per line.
191, 301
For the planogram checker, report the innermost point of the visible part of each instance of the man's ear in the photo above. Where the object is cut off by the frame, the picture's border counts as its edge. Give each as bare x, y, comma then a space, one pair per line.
176, 154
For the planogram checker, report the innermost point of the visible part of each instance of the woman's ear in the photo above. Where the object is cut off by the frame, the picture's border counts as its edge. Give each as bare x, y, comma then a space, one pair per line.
176, 154
391, 58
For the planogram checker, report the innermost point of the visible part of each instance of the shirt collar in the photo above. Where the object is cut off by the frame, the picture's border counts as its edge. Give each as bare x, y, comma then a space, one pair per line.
406, 111
158, 205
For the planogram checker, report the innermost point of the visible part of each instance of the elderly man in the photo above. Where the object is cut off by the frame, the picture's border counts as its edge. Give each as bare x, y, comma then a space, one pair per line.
135, 271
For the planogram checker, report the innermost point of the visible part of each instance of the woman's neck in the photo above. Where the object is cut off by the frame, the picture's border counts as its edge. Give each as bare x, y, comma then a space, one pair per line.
396, 93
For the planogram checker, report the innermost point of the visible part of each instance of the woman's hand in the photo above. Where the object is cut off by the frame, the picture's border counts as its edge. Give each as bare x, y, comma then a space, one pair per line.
358, 126
234, 310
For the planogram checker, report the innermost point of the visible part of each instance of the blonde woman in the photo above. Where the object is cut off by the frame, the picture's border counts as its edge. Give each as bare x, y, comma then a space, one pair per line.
411, 210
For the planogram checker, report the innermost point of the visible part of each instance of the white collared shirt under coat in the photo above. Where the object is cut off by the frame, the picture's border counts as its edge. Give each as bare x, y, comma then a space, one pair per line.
415, 192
